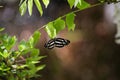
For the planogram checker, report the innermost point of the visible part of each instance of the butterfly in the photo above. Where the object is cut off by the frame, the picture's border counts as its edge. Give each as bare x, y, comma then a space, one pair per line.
56, 42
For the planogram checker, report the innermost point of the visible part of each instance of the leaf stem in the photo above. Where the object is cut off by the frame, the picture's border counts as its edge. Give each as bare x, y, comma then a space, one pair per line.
75, 11
78, 10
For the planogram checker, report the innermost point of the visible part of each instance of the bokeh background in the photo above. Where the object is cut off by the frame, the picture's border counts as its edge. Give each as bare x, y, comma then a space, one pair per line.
92, 54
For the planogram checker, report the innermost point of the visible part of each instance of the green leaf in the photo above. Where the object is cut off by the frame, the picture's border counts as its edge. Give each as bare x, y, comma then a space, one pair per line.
31, 42
30, 6
1, 29
4, 67
5, 54
36, 37
30, 66
40, 67
11, 42
20, 2
22, 46
39, 7
51, 30
23, 8
59, 25
41, 57
1, 54
34, 53
34, 62
83, 5
46, 2
102, 1
71, 3
70, 21
77, 2
31, 60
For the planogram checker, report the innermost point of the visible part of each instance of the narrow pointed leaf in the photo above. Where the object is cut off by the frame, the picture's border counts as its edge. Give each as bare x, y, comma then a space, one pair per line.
39, 7
83, 5
20, 2
71, 3
40, 67
30, 6
46, 2
23, 8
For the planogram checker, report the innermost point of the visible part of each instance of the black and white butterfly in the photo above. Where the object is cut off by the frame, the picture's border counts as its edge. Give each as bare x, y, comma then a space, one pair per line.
56, 42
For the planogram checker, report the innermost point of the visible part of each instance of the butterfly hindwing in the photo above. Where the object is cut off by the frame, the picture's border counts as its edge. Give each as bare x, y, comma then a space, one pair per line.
50, 44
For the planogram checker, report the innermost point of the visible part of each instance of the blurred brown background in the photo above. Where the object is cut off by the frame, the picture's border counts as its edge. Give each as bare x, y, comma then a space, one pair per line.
92, 53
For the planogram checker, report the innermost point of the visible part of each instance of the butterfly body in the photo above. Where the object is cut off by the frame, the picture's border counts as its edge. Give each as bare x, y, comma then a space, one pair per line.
56, 42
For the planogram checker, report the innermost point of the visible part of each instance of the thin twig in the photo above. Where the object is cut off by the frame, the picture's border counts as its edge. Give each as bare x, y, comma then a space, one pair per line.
78, 10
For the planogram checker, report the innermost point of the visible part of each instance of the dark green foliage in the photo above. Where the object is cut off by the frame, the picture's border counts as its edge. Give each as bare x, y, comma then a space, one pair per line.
19, 64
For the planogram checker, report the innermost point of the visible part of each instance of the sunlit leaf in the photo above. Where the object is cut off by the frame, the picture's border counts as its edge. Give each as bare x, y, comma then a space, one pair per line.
39, 7
23, 8
36, 37
46, 2
5, 54
20, 2
30, 6
34, 62
71, 3
59, 25
70, 21
77, 2
50, 30
31, 42
34, 53
22, 66
22, 46
40, 67
83, 5
11, 42
1, 29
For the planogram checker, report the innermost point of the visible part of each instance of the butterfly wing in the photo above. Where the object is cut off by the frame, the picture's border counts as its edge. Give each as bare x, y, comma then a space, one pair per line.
60, 42
56, 42
50, 44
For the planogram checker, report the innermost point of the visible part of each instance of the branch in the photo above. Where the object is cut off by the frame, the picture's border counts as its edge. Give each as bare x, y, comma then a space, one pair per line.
75, 11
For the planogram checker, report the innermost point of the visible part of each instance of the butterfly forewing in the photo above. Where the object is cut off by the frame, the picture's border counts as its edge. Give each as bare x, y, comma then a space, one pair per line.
60, 42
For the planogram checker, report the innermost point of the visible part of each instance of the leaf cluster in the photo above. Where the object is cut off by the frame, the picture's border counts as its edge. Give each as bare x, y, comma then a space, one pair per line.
24, 4
28, 4
20, 63
54, 27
